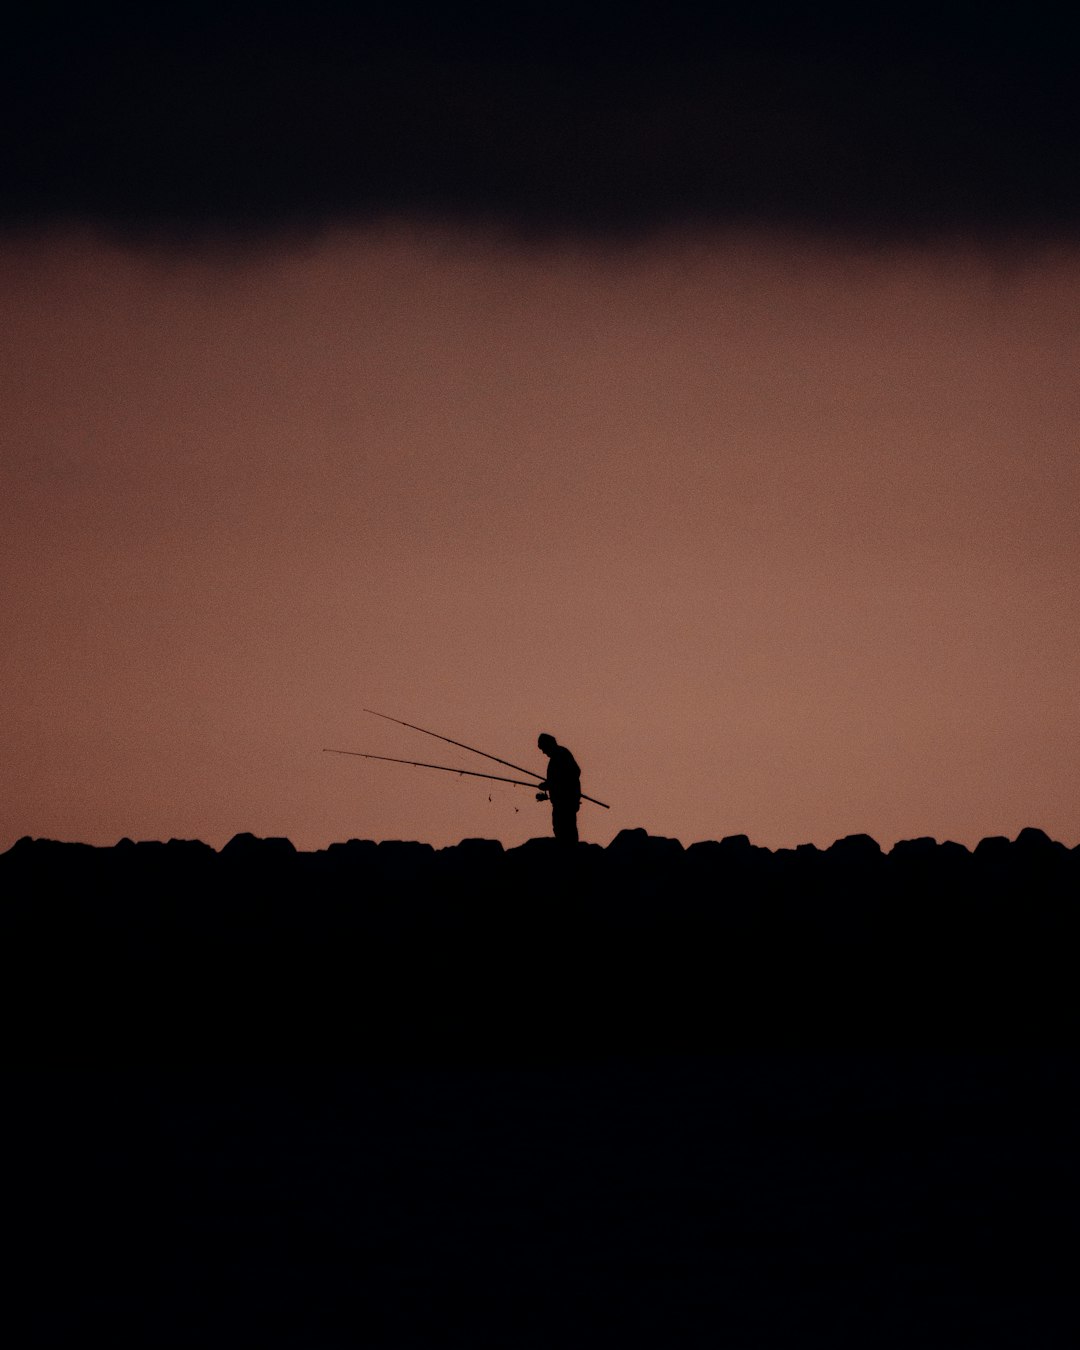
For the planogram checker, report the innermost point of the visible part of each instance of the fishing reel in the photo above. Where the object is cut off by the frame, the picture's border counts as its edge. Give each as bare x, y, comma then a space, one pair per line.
541, 797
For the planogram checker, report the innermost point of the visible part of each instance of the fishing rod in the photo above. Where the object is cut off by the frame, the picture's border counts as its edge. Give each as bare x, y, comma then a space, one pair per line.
460, 744
418, 764
472, 750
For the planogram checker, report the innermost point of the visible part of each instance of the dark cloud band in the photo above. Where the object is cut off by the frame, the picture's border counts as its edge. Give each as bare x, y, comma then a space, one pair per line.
306, 121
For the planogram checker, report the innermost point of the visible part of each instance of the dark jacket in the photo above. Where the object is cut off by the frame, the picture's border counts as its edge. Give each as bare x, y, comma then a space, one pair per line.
563, 782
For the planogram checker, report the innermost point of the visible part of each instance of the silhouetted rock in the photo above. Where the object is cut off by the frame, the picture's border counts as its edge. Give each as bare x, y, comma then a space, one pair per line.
801, 863
50, 848
176, 855
730, 876
359, 853
856, 849
248, 847
951, 852
728, 855
542, 847
930, 872
638, 846
994, 848
1032, 842
404, 862
471, 865
192, 846
151, 849
629, 838
483, 852
703, 851
921, 850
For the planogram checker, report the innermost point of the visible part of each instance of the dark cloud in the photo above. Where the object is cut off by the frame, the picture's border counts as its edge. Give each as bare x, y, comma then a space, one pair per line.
602, 118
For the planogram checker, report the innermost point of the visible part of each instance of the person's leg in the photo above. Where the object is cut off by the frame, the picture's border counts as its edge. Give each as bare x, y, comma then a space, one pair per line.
564, 822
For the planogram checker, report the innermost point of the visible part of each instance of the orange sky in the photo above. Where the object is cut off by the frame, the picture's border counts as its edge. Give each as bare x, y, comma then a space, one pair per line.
780, 536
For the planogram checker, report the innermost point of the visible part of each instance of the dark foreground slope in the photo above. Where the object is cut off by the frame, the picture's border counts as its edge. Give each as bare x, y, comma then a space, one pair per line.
395, 949
637, 1097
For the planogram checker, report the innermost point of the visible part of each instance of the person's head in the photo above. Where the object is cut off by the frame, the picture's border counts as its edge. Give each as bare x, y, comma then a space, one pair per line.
546, 743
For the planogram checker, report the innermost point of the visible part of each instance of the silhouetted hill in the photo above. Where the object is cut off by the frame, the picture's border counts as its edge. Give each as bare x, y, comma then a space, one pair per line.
399, 949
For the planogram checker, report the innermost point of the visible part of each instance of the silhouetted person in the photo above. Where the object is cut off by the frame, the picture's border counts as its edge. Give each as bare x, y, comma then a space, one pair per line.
563, 787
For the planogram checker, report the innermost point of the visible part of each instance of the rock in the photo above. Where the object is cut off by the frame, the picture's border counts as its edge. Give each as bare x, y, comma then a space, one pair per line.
248, 847
638, 845
994, 848
1033, 843
856, 849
